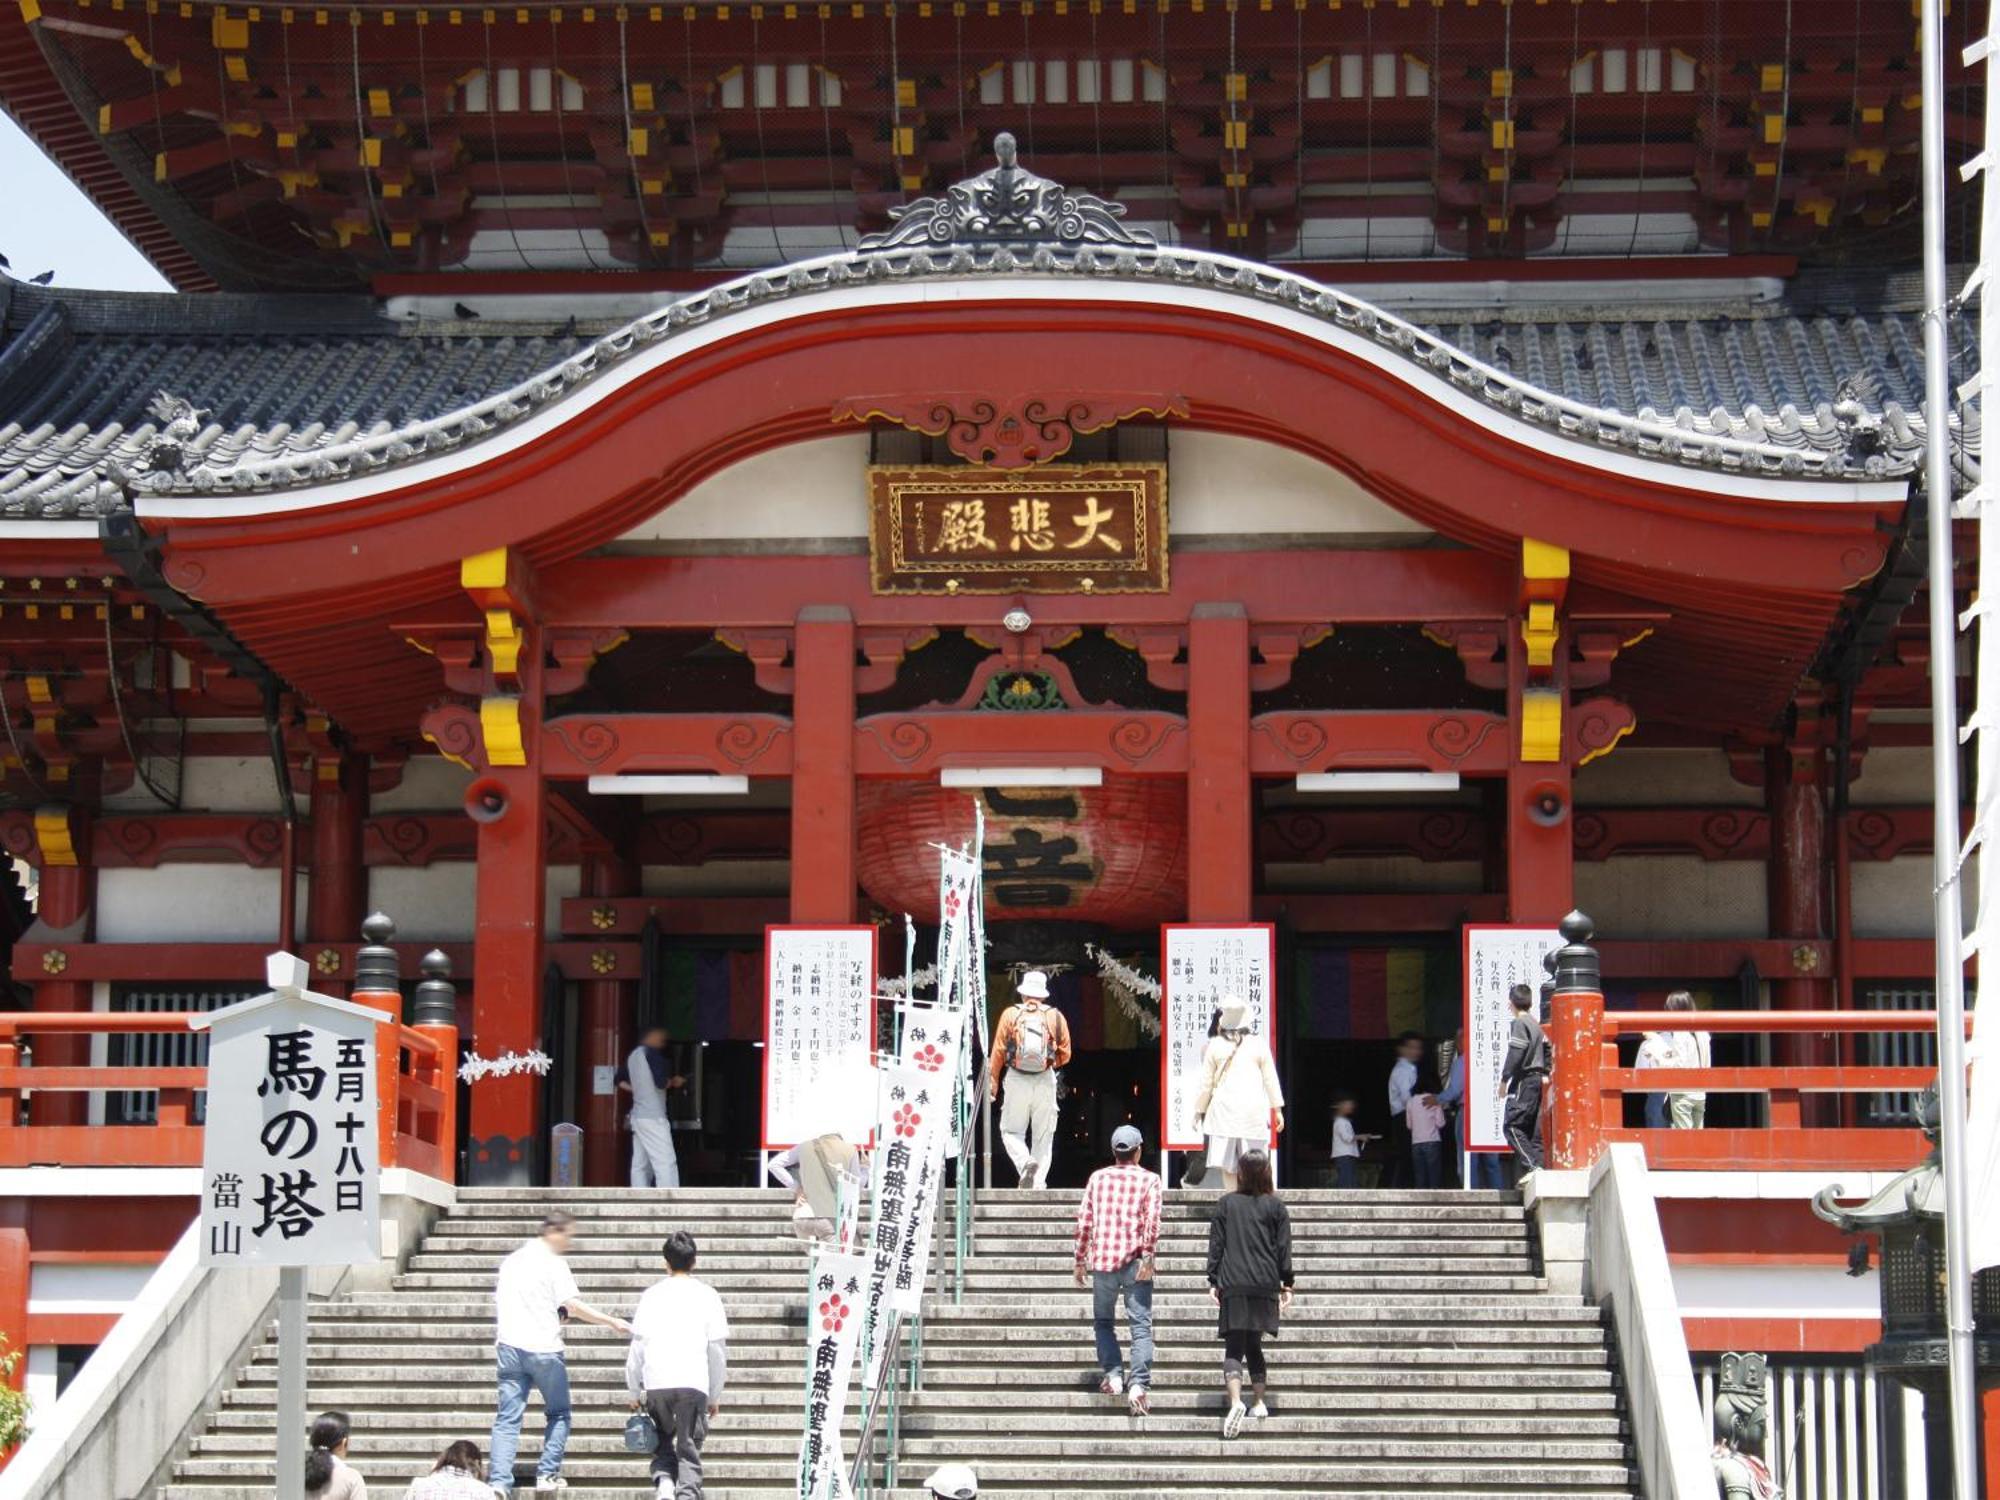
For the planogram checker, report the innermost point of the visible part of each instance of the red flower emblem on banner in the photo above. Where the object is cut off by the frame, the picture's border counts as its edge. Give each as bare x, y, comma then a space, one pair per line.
953, 904
832, 1313
928, 1058
906, 1122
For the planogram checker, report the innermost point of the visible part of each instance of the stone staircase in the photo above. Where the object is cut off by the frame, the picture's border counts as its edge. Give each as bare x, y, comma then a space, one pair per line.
1423, 1356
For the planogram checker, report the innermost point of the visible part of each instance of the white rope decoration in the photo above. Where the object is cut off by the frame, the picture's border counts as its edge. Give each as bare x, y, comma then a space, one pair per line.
1127, 985
900, 987
476, 1067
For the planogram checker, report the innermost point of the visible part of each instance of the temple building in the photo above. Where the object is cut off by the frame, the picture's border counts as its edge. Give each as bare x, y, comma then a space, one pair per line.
615, 478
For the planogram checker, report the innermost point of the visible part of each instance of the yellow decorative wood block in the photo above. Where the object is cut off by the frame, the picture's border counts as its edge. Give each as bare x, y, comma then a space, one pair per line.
1541, 725
500, 725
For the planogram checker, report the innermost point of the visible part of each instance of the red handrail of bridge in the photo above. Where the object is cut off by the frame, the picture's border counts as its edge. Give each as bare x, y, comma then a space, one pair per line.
418, 1093
1590, 1084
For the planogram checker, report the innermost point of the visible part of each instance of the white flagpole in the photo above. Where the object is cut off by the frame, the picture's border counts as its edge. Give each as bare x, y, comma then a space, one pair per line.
1949, 915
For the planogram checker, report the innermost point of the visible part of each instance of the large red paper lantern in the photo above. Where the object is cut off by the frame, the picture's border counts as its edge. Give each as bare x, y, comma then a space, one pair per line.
1114, 854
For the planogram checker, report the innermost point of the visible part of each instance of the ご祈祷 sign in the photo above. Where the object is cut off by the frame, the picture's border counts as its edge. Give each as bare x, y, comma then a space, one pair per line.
1203, 965
290, 1167
1058, 529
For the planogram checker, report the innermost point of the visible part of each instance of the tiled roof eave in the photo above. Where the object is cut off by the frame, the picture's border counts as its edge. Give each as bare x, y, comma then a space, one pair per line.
1793, 445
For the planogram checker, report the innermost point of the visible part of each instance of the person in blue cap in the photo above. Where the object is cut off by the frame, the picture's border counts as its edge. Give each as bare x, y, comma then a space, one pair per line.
1117, 1237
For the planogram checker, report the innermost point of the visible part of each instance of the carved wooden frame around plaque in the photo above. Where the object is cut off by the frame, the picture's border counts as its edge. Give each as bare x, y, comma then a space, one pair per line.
1056, 529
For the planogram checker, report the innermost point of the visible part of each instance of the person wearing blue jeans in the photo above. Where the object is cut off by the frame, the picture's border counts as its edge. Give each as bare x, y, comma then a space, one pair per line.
1117, 1237
533, 1293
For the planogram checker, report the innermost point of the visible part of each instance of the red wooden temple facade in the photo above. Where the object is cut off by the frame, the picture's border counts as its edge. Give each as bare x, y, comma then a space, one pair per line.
486, 485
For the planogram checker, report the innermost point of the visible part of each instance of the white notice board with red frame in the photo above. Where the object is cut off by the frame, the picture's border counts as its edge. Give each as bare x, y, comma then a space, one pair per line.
819, 1032
1200, 964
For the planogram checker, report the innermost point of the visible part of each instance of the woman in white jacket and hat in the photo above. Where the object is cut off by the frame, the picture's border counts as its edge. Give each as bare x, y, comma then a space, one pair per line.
1240, 1105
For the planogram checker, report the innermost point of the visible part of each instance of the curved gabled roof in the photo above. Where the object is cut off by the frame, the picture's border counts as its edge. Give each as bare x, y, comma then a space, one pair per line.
298, 391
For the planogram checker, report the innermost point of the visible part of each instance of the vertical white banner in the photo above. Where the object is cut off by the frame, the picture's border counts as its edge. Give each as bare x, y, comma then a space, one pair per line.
916, 1105
833, 1333
1497, 958
819, 1025
290, 1166
1201, 966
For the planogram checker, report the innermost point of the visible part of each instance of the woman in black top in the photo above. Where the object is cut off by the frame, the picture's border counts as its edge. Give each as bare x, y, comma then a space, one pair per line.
1250, 1278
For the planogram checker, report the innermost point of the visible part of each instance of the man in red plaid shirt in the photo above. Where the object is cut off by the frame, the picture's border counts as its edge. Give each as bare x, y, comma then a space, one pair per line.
1117, 1234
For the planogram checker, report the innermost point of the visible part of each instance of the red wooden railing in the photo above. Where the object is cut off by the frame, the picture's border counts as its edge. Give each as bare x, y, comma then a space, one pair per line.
419, 1107
1590, 1085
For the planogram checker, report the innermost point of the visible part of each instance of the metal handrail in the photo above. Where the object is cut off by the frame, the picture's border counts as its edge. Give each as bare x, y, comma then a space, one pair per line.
871, 1408
903, 1338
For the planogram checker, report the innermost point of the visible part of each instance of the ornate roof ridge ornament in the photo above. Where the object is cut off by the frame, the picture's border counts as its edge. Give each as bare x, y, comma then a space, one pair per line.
1009, 205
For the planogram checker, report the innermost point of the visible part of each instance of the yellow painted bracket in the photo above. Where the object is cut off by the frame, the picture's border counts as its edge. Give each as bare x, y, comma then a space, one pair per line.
1541, 725
500, 726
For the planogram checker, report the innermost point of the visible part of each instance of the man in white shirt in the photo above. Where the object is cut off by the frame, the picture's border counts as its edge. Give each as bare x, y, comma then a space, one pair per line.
649, 1078
677, 1366
1397, 1170
533, 1293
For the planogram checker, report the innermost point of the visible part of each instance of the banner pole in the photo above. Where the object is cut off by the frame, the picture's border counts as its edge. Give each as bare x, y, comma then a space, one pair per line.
291, 1383
1946, 841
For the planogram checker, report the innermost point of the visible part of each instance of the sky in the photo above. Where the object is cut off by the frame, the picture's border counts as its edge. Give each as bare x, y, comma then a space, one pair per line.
51, 225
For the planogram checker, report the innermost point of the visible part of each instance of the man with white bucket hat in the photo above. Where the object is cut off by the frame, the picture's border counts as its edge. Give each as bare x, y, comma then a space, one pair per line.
1029, 1046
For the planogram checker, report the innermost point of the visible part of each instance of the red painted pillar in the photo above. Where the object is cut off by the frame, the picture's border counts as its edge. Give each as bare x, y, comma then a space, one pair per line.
1576, 1123
1220, 873
1541, 851
15, 1270
607, 1006
337, 893
64, 912
507, 960
823, 859
1795, 798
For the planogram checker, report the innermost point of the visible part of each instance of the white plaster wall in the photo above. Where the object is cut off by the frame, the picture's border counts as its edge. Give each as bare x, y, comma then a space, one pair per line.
39, 1378
1706, 1291
559, 884
430, 784
213, 783
1218, 485
1894, 775
438, 904
85, 1286
1389, 873
1892, 897
433, 905
1673, 897
1630, 777
816, 489
190, 903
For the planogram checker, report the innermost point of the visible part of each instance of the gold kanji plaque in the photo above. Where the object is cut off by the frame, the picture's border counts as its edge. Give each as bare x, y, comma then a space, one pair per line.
1058, 529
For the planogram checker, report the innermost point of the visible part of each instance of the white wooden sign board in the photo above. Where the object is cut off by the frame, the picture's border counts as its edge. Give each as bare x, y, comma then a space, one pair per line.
1496, 959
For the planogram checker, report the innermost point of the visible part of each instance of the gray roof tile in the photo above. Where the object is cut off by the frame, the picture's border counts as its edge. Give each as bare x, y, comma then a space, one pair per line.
287, 375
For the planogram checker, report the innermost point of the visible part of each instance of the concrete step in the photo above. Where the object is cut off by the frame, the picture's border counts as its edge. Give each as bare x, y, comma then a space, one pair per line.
1440, 1396
538, 1199
475, 1322
1423, 1358
1208, 1464
995, 1240
775, 1340
1262, 1490
401, 1422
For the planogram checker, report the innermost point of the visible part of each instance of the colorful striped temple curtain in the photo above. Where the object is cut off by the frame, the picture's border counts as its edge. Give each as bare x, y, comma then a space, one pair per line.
1359, 992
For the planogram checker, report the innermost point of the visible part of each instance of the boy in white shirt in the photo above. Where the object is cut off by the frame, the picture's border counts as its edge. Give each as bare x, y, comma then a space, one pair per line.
677, 1366
1346, 1144
534, 1291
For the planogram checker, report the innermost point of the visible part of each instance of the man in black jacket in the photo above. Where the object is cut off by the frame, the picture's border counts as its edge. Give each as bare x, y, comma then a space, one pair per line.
1523, 1074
